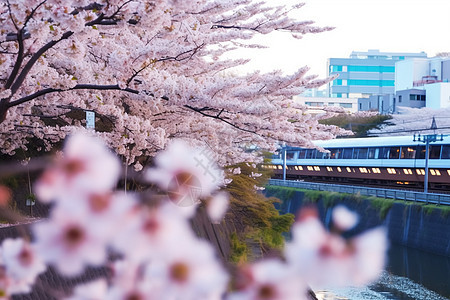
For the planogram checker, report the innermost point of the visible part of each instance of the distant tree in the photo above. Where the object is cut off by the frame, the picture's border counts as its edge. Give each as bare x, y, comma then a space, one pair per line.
151, 71
359, 123
414, 121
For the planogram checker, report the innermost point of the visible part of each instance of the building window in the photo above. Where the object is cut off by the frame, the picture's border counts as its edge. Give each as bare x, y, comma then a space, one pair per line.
336, 68
417, 97
399, 98
345, 105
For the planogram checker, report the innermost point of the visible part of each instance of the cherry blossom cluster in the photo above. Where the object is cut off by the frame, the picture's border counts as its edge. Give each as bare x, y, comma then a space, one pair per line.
151, 71
147, 241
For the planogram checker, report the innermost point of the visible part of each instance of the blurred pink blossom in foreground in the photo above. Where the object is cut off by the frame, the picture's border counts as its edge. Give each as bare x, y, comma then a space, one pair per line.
160, 257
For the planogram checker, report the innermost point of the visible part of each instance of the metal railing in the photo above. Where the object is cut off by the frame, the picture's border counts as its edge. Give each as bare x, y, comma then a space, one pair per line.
366, 191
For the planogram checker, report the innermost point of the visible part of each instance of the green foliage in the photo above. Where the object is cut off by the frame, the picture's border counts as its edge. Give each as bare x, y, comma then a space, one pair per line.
445, 210
239, 249
359, 125
312, 196
254, 214
382, 205
429, 208
10, 181
281, 192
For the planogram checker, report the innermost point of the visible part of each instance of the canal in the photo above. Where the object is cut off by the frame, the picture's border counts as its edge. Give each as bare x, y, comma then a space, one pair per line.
410, 274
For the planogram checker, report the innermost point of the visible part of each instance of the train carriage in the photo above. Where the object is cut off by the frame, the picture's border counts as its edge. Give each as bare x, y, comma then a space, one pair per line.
394, 161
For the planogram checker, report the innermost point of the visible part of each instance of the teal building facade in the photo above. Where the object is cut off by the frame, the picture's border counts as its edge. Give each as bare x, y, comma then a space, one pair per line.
364, 74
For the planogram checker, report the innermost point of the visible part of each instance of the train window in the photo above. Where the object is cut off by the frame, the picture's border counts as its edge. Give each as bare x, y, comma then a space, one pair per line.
408, 152
302, 154
435, 172
384, 153
347, 153
326, 155
420, 153
407, 171
319, 155
391, 171
372, 153
360, 153
445, 152
394, 152
435, 151
335, 153
290, 155
276, 155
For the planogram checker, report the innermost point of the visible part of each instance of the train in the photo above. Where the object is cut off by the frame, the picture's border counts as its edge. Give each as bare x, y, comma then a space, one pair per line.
394, 161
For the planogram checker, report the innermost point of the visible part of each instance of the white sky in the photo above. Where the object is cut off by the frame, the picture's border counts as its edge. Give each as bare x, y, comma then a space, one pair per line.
387, 25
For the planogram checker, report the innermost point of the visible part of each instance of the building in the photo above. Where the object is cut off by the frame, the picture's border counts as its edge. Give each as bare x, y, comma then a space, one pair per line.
422, 82
381, 103
316, 104
364, 74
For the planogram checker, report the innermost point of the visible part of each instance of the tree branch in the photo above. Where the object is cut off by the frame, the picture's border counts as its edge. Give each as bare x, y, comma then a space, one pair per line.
217, 117
34, 59
77, 87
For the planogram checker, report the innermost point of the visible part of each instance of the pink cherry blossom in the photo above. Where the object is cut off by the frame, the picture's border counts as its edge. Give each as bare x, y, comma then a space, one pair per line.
187, 271
217, 206
269, 279
151, 231
343, 218
187, 174
327, 259
68, 241
86, 167
95, 290
19, 266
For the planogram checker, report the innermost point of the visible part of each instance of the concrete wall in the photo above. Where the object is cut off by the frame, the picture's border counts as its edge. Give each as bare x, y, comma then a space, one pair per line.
407, 224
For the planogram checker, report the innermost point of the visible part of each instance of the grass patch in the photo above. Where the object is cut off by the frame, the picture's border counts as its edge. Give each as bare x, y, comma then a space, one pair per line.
429, 208
445, 210
382, 205
239, 249
281, 192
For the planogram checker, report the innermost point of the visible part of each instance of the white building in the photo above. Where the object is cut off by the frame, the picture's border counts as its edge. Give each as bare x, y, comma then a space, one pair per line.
427, 78
316, 104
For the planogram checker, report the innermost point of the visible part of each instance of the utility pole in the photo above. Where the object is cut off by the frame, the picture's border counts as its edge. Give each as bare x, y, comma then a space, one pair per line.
427, 139
284, 162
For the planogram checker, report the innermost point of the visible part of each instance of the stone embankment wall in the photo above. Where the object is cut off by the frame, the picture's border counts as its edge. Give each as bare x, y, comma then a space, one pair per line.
423, 227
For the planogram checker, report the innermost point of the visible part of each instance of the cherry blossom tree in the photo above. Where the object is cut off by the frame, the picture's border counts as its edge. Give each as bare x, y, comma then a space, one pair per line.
150, 71
411, 121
